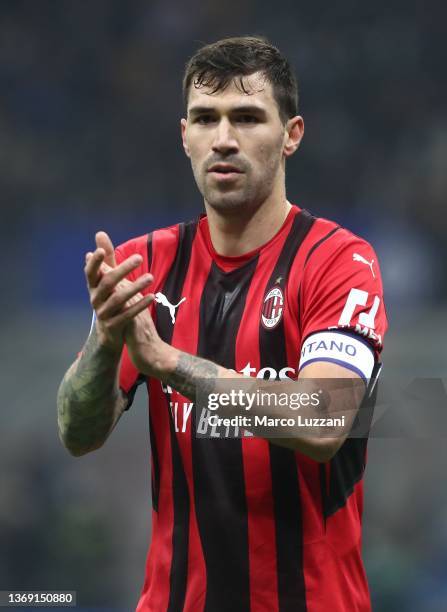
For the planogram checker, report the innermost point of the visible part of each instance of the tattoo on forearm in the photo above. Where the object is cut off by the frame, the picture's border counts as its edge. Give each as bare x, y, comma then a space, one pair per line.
87, 397
193, 375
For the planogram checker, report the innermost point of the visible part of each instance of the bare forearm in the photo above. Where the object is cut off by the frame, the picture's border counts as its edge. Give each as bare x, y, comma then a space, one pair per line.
197, 378
89, 402
194, 377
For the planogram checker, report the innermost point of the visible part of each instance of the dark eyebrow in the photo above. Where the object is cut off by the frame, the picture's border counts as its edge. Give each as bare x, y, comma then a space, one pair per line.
249, 109
199, 110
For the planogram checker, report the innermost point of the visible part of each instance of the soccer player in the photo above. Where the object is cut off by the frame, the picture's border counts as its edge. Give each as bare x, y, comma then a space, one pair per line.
257, 286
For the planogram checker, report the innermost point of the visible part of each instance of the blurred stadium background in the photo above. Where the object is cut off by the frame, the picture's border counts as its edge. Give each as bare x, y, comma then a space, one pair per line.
89, 128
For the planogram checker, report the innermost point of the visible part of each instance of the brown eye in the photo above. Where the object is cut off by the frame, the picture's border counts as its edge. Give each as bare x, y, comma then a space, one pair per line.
204, 119
247, 119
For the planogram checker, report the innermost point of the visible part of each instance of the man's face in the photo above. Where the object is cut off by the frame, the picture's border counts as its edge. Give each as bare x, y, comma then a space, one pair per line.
236, 143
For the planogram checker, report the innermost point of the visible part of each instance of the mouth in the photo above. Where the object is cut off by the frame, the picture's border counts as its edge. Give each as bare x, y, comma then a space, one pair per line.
224, 169
224, 173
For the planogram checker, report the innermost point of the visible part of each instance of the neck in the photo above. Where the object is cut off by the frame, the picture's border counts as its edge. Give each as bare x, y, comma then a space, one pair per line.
233, 236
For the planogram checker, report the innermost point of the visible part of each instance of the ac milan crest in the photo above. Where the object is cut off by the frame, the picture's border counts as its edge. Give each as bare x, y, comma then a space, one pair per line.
272, 308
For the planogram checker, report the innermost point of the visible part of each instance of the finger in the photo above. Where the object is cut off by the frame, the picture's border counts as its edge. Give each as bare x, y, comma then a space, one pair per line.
122, 283
131, 312
110, 281
124, 297
92, 267
125, 283
103, 242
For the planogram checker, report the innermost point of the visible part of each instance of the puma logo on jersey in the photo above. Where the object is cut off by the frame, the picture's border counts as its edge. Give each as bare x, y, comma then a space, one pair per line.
357, 257
163, 300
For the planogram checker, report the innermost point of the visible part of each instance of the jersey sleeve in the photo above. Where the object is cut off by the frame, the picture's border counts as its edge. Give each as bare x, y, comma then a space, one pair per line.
343, 317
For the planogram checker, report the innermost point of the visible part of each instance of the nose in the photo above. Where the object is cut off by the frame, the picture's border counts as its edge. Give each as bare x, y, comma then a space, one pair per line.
225, 141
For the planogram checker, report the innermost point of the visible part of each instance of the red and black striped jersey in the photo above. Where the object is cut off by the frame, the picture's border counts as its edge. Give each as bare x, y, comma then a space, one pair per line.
242, 524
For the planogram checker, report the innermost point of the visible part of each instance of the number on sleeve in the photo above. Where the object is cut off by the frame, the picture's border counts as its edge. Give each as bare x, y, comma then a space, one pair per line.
358, 297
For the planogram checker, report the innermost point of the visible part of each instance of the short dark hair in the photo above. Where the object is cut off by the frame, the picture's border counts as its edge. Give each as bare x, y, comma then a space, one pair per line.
217, 64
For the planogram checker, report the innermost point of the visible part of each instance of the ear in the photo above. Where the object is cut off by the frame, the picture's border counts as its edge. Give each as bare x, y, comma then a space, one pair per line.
293, 135
183, 124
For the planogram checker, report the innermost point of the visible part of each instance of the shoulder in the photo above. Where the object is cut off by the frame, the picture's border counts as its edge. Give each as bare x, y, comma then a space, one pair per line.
341, 287
337, 261
139, 243
165, 237
330, 241
158, 248
133, 246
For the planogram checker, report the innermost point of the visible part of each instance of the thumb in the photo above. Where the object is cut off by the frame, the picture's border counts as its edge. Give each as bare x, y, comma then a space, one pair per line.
103, 242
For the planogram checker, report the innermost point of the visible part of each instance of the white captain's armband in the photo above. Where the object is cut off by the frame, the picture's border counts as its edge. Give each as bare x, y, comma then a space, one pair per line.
341, 348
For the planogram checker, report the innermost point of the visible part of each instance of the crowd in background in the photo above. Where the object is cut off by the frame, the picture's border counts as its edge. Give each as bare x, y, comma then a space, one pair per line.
90, 108
91, 102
